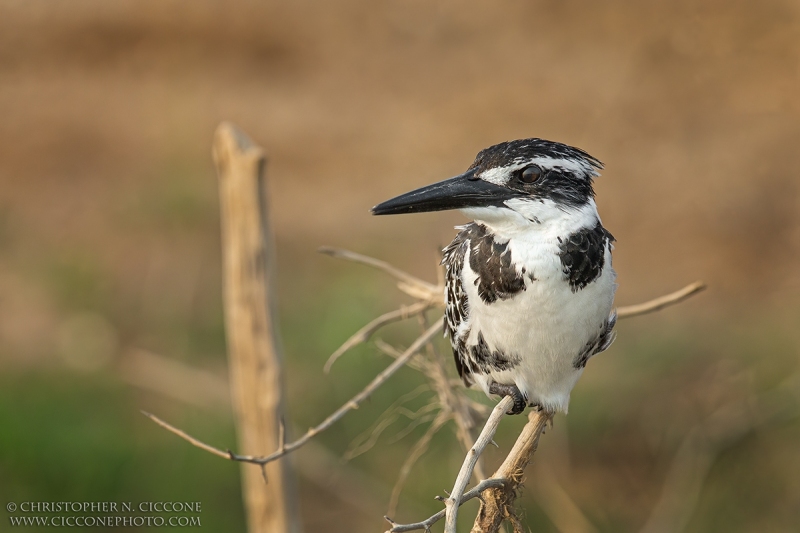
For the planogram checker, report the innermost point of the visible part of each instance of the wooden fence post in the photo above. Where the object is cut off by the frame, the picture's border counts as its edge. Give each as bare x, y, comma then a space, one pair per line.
254, 357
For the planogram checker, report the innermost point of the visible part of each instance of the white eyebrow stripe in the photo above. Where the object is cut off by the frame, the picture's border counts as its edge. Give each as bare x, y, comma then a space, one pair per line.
500, 175
574, 165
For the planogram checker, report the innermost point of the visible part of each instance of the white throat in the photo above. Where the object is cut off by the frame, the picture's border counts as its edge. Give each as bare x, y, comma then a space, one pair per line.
523, 216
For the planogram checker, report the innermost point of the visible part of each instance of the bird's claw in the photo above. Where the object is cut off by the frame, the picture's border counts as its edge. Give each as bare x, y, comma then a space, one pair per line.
509, 390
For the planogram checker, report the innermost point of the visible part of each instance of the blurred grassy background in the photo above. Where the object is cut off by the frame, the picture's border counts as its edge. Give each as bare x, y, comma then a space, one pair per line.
109, 239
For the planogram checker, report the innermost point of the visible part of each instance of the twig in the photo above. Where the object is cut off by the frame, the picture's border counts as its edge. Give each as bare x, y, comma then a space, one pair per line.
419, 419
662, 301
366, 332
426, 524
377, 263
431, 293
185, 436
489, 429
414, 455
450, 399
364, 442
417, 362
325, 424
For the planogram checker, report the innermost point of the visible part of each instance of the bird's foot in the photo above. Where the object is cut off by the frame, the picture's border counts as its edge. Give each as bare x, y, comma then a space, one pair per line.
509, 390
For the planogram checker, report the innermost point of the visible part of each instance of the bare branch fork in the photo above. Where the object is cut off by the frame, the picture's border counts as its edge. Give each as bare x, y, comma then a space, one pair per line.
497, 494
236, 156
489, 429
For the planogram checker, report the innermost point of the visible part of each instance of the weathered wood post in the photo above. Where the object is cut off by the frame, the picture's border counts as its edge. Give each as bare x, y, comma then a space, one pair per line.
254, 357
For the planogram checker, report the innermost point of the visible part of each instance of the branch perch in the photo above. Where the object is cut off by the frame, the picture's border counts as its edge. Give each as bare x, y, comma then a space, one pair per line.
426, 524
489, 429
497, 504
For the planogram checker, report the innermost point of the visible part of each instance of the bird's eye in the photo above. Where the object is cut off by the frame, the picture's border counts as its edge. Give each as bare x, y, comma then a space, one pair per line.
530, 174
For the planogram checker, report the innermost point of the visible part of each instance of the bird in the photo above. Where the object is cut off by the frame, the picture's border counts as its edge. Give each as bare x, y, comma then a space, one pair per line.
529, 284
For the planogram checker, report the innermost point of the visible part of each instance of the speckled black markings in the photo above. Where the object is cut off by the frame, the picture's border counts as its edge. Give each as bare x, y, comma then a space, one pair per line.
491, 261
484, 360
565, 187
456, 311
497, 279
583, 255
496, 155
479, 358
597, 344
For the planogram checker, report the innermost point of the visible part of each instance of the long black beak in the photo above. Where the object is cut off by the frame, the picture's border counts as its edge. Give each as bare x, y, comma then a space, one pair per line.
465, 190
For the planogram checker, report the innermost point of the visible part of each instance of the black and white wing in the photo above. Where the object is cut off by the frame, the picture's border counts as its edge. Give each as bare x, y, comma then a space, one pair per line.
456, 305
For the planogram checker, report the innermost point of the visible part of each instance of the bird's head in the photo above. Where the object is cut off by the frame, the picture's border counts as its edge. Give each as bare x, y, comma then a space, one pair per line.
515, 176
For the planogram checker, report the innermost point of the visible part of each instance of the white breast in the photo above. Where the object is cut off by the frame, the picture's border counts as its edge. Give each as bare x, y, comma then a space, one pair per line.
547, 325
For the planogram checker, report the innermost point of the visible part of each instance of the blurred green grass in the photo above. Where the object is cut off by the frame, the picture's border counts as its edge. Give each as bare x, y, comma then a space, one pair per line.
79, 438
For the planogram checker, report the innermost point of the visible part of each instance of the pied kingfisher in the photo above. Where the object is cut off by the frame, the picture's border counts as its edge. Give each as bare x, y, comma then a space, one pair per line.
529, 284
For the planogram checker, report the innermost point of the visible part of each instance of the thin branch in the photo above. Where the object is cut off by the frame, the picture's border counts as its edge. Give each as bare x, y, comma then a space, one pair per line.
367, 440
185, 436
457, 403
417, 421
425, 525
418, 362
416, 452
662, 301
451, 400
354, 403
489, 429
432, 294
366, 332
376, 263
